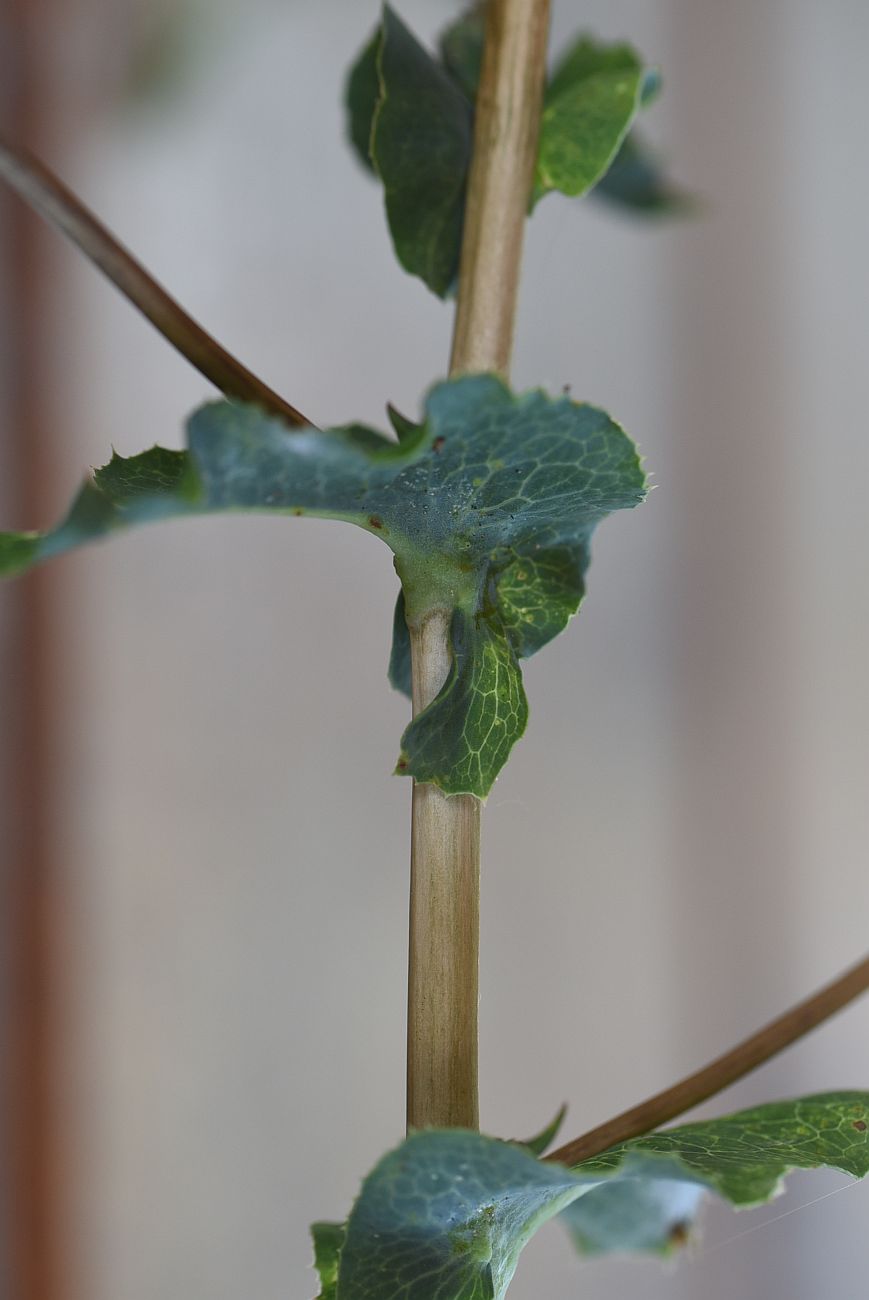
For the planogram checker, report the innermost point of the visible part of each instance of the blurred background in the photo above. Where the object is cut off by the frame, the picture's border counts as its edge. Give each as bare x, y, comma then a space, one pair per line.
204, 879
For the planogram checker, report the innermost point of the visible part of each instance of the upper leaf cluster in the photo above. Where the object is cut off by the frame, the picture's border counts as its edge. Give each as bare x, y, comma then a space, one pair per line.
411, 115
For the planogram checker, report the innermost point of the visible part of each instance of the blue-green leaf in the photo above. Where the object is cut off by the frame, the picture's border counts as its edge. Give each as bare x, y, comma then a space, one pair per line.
446, 1215
488, 505
628, 1216
637, 181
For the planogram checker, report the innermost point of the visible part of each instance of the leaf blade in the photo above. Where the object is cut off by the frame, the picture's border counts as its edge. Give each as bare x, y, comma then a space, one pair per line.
463, 738
328, 1244
744, 1157
421, 147
449, 1211
583, 128
361, 97
488, 506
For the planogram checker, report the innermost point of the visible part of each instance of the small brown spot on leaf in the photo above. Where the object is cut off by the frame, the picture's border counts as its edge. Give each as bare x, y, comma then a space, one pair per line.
679, 1233
401, 764
298, 511
860, 1125
438, 443
374, 521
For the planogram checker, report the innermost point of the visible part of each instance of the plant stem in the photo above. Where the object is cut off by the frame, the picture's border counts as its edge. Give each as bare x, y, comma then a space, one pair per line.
59, 206
444, 926
443, 983
505, 150
721, 1072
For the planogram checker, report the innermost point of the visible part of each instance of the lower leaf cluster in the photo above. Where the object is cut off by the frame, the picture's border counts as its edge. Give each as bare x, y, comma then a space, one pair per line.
446, 1215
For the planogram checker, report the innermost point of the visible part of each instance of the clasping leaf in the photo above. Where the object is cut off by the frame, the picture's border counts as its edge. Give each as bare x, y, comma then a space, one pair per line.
446, 1215
488, 506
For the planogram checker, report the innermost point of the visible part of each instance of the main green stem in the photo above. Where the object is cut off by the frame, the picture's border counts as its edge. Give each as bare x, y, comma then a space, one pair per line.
443, 982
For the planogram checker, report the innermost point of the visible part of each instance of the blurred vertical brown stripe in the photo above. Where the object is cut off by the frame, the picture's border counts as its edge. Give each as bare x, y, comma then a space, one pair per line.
28, 886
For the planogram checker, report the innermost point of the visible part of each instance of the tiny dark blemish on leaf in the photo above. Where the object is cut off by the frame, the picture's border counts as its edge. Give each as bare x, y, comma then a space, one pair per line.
679, 1233
401, 764
298, 511
438, 442
375, 521
860, 1125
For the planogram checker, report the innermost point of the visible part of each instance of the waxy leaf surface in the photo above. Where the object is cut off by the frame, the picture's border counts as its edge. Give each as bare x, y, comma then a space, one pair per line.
446, 1215
488, 506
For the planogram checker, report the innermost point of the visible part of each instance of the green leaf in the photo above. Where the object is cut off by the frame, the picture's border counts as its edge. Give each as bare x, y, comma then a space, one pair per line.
587, 58
412, 115
404, 428
744, 1157
361, 98
463, 739
410, 121
421, 146
651, 1216
590, 104
488, 505
461, 48
539, 593
153, 485
637, 181
400, 667
328, 1243
446, 1215
538, 1144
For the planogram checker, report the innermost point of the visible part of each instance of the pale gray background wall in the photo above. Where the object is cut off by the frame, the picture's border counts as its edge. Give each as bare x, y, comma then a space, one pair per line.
677, 849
